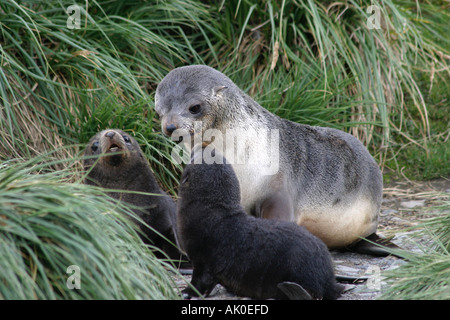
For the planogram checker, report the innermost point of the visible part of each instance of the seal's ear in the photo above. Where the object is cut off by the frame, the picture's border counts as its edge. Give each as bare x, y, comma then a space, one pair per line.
218, 89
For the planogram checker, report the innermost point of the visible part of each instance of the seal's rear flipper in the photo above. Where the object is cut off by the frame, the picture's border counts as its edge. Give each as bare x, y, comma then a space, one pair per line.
294, 291
185, 272
373, 245
350, 279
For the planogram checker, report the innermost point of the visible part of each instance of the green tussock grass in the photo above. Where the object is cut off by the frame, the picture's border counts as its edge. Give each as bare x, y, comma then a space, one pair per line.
48, 224
425, 275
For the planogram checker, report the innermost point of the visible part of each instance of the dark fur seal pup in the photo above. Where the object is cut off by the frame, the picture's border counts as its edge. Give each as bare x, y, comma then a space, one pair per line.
127, 169
251, 257
326, 181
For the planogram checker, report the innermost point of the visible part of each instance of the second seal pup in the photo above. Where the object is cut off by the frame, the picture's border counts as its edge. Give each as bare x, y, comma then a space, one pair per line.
257, 258
122, 166
327, 181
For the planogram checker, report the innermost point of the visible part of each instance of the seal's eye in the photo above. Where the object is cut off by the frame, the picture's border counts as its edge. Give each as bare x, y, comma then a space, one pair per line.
127, 139
94, 146
195, 109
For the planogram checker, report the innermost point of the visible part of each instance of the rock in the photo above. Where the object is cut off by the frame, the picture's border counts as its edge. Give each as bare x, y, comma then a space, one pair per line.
401, 222
388, 212
412, 204
340, 269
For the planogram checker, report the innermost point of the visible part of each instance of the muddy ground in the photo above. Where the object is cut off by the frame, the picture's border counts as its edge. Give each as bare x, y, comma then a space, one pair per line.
404, 205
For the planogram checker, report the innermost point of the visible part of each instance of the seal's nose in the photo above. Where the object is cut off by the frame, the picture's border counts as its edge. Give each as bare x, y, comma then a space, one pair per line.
110, 134
170, 128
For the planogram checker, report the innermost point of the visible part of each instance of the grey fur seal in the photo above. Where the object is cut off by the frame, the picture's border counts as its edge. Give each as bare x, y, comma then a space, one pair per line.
121, 165
251, 257
327, 180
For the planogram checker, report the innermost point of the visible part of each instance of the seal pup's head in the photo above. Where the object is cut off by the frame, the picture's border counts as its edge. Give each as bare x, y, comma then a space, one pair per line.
197, 93
214, 185
111, 151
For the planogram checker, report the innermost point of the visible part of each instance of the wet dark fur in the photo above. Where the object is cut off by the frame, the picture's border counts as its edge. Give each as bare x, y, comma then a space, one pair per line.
130, 171
247, 255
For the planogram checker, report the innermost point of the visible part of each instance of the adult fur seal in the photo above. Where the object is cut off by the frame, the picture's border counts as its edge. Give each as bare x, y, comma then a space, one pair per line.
251, 257
327, 181
121, 165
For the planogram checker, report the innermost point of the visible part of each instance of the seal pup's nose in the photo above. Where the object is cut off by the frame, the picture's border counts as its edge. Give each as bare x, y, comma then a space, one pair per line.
110, 134
170, 128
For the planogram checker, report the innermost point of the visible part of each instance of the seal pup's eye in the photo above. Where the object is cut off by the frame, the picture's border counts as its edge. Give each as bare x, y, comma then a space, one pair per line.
195, 109
126, 139
94, 146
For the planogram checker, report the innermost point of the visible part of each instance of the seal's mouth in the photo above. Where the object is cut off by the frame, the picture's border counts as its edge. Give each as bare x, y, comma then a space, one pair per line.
112, 155
114, 148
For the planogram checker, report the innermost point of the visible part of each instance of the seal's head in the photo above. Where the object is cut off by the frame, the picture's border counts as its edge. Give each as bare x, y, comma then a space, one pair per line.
114, 148
192, 94
214, 185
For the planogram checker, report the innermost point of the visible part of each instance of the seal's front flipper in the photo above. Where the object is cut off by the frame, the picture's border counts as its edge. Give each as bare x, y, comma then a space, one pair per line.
202, 283
294, 291
276, 206
375, 245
